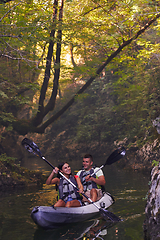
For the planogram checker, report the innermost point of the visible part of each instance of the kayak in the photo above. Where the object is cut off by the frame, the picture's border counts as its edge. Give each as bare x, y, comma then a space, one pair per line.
49, 217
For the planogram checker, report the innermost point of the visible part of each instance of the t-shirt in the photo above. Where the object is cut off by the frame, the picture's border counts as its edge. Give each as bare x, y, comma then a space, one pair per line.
98, 174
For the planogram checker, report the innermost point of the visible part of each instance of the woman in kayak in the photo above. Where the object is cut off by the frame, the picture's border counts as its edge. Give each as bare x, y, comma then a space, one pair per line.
68, 195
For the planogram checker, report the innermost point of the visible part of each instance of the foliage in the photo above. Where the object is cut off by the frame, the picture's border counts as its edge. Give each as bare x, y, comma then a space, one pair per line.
5, 158
12, 174
138, 93
119, 104
155, 163
72, 41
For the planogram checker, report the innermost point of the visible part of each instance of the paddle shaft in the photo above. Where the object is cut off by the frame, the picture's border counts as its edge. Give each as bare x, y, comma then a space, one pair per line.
104, 212
112, 156
72, 183
97, 170
30, 145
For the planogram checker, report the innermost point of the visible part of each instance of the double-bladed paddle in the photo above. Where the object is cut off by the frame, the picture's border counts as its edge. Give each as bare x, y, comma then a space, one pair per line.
33, 148
114, 157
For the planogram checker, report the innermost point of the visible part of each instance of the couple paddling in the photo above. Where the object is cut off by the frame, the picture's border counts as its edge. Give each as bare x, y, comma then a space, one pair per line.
86, 181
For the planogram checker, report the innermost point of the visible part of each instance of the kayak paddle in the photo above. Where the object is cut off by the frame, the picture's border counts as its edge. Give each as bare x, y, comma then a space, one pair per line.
31, 147
114, 157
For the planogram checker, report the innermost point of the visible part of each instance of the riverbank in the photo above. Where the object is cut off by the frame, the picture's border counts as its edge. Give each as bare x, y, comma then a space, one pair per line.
136, 159
13, 175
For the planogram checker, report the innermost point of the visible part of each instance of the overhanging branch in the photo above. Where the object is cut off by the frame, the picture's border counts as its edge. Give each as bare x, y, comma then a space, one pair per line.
42, 128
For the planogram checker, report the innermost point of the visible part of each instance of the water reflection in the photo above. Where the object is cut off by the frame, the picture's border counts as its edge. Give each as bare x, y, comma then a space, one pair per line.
88, 230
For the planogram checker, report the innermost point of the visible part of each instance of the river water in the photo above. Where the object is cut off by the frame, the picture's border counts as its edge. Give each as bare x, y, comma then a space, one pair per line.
129, 190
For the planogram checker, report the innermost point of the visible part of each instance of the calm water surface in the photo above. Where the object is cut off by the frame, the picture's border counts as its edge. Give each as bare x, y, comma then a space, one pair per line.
128, 188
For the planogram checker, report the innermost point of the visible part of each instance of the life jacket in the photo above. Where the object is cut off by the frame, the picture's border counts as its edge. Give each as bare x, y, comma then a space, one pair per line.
66, 189
90, 184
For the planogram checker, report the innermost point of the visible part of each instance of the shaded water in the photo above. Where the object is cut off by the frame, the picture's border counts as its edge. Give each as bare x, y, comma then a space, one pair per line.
128, 188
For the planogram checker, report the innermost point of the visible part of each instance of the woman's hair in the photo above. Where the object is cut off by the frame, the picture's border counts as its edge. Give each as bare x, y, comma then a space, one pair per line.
58, 174
60, 168
61, 165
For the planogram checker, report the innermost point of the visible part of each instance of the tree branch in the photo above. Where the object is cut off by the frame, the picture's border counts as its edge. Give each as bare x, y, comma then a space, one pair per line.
72, 58
42, 128
9, 9
51, 104
40, 113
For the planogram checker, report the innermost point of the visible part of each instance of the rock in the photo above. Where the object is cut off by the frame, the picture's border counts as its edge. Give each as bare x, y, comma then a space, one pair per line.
151, 224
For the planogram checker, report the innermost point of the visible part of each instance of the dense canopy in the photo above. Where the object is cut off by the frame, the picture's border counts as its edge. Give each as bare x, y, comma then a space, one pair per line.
49, 47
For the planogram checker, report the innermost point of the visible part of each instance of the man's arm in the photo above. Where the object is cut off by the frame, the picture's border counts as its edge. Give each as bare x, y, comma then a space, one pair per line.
100, 180
78, 173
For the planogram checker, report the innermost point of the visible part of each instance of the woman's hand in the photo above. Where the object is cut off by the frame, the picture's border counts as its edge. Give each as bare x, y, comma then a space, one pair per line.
80, 186
55, 170
81, 189
49, 179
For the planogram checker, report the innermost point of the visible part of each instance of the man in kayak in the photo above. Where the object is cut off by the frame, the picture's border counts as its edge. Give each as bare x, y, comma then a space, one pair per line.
92, 183
68, 195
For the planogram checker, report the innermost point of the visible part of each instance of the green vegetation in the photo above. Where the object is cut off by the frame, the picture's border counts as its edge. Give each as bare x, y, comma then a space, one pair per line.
48, 45
11, 174
81, 73
155, 163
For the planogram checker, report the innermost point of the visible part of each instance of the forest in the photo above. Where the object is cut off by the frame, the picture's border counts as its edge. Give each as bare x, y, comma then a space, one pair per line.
81, 76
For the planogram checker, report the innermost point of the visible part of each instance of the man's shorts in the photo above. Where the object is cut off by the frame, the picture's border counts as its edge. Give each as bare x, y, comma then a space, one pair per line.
87, 193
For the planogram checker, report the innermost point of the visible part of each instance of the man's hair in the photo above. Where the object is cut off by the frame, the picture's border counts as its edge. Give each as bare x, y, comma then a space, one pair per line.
88, 156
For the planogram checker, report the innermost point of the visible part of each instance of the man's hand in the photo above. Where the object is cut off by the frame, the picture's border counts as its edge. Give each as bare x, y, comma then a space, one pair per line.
88, 178
100, 180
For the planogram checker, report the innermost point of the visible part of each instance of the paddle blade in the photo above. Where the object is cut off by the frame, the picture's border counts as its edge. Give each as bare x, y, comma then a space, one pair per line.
116, 155
109, 215
31, 147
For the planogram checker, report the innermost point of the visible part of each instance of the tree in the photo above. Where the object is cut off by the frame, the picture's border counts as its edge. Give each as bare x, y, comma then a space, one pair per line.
4, 1
97, 32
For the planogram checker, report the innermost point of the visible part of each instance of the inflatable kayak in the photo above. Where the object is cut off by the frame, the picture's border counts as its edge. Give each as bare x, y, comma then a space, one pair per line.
49, 217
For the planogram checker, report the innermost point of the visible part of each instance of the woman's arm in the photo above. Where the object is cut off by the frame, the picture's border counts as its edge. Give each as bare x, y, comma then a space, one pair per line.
80, 186
54, 180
